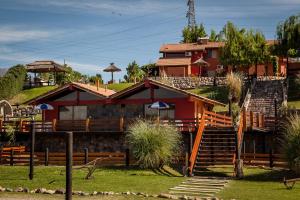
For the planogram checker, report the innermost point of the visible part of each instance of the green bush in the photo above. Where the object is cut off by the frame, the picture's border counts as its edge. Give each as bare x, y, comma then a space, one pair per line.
12, 82
291, 143
153, 145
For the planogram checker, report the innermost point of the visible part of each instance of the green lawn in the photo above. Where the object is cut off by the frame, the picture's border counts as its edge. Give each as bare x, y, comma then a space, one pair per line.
257, 184
119, 86
28, 94
219, 93
105, 179
261, 184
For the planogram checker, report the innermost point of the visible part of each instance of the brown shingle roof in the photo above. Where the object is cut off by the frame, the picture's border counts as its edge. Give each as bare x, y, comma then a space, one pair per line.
173, 61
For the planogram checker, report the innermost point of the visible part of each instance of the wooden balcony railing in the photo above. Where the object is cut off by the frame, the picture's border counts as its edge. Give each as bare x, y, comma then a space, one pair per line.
91, 125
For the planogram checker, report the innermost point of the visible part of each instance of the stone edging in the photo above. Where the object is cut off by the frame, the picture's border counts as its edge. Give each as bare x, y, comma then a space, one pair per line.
95, 193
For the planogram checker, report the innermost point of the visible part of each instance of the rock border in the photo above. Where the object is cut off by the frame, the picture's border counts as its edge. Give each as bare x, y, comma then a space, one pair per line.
95, 193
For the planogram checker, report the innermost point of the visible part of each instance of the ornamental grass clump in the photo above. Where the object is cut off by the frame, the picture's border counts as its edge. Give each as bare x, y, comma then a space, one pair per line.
291, 143
153, 145
234, 83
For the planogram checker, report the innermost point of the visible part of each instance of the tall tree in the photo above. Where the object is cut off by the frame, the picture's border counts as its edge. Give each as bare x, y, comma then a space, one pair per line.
214, 37
134, 72
69, 76
243, 48
191, 34
288, 35
150, 69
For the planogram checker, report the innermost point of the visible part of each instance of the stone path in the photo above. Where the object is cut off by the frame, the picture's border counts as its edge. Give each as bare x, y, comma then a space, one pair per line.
200, 186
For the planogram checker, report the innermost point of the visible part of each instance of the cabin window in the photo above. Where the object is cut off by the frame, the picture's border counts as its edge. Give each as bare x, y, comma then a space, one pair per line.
72, 112
163, 114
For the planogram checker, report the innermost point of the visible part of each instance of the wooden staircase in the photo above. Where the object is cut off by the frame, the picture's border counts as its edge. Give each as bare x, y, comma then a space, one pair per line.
215, 143
217, 147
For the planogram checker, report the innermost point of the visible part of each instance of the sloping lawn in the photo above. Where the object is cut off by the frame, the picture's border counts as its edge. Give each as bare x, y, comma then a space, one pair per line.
28, 94
105, 179
218, 93
119, 86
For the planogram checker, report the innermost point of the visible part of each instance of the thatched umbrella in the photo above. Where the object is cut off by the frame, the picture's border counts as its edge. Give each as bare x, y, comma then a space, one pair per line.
201, 62
112, 68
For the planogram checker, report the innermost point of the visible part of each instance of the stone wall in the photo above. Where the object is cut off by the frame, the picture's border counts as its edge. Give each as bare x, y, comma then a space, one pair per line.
95, 142
191, 82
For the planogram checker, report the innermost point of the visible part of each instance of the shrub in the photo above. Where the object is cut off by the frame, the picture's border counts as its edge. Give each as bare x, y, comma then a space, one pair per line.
153, 145
291, 143
12, 82
234, 83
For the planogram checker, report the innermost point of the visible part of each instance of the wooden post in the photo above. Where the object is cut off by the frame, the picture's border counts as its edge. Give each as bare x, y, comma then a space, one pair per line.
46, 157
11, 160
191, 142
87, 125
244, 114
244, 147
254, 149
127, 158
271, 158
69, 163
31, 165
251, 119
257, 120
121, 123
86, 155
262, 120
21, 125
54, 125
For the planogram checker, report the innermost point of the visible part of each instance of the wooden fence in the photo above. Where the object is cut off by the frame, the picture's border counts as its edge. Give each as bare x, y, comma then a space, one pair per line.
57, 158
264, 159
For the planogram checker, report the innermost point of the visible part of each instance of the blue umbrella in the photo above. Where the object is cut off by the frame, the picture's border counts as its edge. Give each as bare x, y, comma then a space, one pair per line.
159, 106
44, 106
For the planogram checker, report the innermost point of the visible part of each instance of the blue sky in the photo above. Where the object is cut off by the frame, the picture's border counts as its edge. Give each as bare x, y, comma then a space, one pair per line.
92, 33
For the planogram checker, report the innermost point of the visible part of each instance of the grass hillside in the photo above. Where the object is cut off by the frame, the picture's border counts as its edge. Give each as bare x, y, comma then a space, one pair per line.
218, 93
28, 94
119, 86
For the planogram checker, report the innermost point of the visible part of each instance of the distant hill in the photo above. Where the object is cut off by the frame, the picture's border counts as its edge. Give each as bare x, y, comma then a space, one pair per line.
3, 71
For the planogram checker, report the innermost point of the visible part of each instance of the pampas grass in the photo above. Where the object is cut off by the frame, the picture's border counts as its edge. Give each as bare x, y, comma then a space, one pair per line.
153, 145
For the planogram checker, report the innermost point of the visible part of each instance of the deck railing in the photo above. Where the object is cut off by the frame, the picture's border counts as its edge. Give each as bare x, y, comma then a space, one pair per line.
91, 125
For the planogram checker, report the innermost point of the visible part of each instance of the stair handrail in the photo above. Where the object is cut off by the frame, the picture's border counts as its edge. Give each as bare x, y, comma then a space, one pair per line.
196, 145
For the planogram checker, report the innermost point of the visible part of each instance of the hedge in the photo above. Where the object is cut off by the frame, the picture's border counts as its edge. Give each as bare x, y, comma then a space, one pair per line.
12, 82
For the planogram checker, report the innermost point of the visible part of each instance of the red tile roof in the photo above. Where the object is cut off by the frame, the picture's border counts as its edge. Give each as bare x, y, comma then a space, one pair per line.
173, 61
182, 47
92, 88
